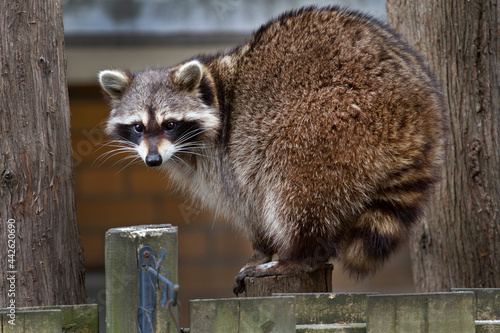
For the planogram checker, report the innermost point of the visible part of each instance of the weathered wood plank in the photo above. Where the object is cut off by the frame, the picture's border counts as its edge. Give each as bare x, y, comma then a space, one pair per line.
121, 250
81, 318
421, 313
487, 302
330, 308
253, 314
33, 321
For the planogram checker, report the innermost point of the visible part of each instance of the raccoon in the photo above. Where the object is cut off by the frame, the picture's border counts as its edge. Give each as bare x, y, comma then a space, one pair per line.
322, 138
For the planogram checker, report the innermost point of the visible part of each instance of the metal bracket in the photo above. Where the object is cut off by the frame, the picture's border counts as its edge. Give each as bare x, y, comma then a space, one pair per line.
149, 278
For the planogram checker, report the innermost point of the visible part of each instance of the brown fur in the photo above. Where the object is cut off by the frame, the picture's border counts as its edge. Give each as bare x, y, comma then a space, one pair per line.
329, 137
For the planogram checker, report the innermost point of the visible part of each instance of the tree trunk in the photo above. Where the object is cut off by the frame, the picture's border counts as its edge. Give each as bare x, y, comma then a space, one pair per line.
41, 257
459, 243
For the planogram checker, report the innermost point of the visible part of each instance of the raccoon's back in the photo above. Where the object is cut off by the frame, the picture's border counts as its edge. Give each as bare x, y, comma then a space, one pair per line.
333, 100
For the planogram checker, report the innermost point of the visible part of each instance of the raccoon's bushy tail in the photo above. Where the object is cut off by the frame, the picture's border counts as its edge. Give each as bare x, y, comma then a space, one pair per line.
379, 231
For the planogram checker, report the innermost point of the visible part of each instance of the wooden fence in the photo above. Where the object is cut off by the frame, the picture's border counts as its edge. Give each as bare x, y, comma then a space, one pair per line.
460, 310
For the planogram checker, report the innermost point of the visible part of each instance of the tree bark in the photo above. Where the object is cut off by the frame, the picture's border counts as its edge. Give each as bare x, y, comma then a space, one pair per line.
40, 245
459, 243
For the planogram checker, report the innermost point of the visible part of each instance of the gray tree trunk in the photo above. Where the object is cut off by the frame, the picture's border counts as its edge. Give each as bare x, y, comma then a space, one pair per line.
40, 244
459, 243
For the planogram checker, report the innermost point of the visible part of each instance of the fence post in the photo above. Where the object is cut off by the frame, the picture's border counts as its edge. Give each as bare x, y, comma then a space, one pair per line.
318, 281
121, 253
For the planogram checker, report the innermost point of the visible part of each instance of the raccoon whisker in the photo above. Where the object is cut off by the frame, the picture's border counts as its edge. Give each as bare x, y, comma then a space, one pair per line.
192, 153
109, 154
176, 161
128, 164
189, 135
109, 146
195, 144
183, 139
131, 157
99, 161
116, 144
135, 160
193, 148
119, 150
177, 158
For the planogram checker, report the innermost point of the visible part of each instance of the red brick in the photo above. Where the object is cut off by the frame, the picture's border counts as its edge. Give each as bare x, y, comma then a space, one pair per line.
212, 277
115, 214
145, 179
230, 244
192, 245
98, 181
87, 113
190, 213
93, 249
171, 212
94, 150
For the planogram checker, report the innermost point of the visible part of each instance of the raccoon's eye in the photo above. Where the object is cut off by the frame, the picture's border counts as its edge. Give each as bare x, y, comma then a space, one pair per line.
139, 128
169, 125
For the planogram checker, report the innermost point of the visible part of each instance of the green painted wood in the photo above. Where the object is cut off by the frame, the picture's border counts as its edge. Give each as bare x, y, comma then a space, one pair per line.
330, 308
332, 328
252, 315
214, 315
421, 313
121, 249
487, 302
267, 314
33, 321
81, 318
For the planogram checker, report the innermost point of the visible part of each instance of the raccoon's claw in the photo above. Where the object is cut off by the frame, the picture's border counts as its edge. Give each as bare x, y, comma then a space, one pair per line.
239, 284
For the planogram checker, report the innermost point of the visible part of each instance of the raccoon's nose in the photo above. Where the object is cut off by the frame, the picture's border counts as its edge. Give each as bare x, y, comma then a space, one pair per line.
153, 160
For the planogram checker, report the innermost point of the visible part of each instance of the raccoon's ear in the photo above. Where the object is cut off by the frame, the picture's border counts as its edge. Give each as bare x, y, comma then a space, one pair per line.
115, 82
188, 76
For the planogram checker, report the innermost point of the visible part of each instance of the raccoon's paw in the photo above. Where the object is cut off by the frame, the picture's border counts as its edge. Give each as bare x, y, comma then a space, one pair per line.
271, 268
257, 270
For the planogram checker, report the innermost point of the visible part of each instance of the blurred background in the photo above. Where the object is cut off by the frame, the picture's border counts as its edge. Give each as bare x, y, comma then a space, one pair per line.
136, 34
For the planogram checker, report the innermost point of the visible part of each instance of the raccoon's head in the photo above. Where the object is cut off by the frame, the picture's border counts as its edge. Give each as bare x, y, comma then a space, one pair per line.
162, 113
